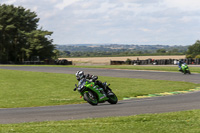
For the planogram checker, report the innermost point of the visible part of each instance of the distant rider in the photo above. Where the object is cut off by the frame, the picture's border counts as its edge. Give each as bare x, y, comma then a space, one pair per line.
92, 78
180, 64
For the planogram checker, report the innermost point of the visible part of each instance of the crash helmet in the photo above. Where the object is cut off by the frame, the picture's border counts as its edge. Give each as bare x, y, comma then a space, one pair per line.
79, 75
181, 61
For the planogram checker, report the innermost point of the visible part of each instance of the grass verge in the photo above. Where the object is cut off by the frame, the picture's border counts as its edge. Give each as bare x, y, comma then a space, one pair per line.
177, 122
31, 89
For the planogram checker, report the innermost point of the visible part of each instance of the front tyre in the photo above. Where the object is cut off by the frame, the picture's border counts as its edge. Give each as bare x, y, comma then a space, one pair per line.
91, 98
113, 99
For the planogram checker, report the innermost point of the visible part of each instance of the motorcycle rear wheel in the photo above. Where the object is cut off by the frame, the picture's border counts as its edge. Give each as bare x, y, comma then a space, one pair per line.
91, 98
113, 99
188, 71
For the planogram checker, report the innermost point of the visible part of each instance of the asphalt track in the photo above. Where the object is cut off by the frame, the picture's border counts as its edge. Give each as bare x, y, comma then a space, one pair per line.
163, 104
173, 76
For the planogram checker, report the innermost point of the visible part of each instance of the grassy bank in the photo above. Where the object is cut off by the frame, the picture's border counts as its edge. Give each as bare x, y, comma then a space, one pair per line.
30, 89
178, 122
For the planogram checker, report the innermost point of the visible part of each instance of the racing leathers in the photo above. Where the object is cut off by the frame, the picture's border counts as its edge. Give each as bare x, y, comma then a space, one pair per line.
94, 78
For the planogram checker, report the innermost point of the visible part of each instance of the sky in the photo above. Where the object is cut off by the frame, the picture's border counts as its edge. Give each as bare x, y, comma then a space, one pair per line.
141, 22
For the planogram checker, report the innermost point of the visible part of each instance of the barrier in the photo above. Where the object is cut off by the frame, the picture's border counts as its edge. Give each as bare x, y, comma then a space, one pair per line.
189, 61
63, 62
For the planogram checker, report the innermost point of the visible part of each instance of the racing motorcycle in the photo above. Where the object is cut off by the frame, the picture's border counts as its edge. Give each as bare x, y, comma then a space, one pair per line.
185, 69
94, 94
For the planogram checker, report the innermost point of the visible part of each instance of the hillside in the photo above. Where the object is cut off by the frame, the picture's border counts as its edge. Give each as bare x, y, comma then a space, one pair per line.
96, 50
118, 47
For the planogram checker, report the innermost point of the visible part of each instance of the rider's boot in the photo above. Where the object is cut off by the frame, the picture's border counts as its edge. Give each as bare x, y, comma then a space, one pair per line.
108, 91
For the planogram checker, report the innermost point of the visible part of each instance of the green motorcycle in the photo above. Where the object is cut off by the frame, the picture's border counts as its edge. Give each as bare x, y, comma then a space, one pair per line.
185, 69
94, 94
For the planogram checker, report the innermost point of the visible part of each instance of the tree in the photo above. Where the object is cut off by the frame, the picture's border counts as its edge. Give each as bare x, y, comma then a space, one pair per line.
194, 49
174, 51
20, 37
39, 45
161, 51
197, 56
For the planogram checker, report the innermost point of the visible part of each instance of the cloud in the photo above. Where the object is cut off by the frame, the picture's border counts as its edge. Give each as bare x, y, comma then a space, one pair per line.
184, 5
145, 30
65, 3
52, 1
117, 21
130, 21
9, 2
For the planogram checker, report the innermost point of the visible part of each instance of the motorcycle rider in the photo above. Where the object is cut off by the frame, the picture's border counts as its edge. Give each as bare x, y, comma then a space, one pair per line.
180, 64
92, 78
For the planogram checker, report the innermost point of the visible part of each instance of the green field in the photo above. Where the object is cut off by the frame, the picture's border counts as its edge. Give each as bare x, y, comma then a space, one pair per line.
31, 89
177, 122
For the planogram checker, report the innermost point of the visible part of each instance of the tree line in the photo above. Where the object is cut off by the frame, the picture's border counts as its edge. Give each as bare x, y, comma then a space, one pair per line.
20, 37
64, 54
118, 50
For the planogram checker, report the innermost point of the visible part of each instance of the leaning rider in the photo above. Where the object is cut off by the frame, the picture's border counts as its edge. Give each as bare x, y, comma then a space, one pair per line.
180, 64
92, 78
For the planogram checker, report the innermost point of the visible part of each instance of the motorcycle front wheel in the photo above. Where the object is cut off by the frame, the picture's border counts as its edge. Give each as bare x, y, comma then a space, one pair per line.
91, 98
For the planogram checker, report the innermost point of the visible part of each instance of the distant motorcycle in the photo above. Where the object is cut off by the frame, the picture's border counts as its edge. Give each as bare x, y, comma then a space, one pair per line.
93, 94
185, 69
